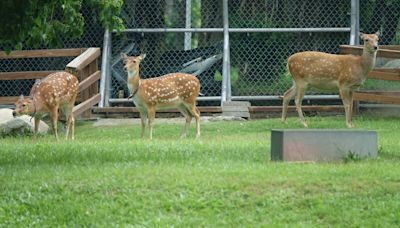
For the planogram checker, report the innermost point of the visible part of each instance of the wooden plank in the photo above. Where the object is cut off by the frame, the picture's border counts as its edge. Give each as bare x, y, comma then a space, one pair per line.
85, 93
391, 70
390, 47
359, 96
84, 59
202, 109
386, 93
8, 100
381, 75
23, 75
357, 50
93, 89
42, 53
322, 108
89, 81
86, 105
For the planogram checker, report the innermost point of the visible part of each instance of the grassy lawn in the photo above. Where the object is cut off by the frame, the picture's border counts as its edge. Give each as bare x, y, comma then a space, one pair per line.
108, 176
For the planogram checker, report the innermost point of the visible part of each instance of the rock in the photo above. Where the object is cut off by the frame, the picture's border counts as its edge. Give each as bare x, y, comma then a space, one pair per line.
393, 64
22, 125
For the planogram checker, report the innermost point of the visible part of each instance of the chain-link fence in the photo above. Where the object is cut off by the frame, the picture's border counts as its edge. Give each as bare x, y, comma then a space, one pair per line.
188, 36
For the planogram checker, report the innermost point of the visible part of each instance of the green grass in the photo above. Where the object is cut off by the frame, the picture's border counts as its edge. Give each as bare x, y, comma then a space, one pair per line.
110, 177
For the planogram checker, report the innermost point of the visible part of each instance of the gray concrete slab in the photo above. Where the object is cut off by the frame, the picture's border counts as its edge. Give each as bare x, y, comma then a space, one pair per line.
322, 144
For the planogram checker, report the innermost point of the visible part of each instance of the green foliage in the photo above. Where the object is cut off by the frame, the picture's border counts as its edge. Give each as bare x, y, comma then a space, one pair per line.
352, 157
38, 22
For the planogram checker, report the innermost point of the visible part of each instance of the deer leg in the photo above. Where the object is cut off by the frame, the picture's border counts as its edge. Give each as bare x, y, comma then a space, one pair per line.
72, 127
143, 119
151, 112
37, 122
188, 117
70, 123
54, 118
299, 98
351, 107
67, 113
196, 113
289, 94
347, 103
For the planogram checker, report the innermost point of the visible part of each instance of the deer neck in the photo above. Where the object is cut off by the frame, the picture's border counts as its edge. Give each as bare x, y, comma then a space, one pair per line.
368, 60
133, 80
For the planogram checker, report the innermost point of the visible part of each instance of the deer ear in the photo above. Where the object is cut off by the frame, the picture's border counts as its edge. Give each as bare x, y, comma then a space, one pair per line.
378, 33
124, 56
361, 35
21, 97
142, 56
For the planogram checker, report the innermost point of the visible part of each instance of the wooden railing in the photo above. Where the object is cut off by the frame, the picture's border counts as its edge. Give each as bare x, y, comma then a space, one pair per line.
388, 74
84, 66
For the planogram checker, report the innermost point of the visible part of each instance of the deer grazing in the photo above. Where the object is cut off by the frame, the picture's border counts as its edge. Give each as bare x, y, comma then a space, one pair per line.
55, 92
175, 90
330, 72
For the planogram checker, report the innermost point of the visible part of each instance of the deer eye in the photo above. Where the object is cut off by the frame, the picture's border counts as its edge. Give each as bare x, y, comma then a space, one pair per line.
23, 105
367, 40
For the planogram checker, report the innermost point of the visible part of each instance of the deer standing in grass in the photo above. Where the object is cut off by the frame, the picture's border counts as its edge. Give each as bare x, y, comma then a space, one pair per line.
55, 92
330, 72
175, 90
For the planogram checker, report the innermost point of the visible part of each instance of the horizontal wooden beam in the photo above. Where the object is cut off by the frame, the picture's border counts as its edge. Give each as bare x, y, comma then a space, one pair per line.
84, 59
384, 75
24, 75
389, 47
321, 108
386, 93
357, 50
42, 53
89, 81
8, 100
80, 108
360, 96
204, 109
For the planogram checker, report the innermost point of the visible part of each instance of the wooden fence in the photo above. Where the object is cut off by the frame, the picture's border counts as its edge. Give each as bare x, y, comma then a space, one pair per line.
388, 74
84, 66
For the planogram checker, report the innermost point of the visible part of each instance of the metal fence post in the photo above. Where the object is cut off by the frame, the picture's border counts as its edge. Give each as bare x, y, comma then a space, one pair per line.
225, 93
355, 22
105, 65
188, 24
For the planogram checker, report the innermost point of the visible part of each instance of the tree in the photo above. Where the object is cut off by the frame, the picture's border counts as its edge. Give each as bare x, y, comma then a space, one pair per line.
44, 22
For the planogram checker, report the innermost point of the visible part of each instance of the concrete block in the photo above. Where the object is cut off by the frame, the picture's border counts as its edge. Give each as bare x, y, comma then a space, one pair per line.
322, 144
236, 109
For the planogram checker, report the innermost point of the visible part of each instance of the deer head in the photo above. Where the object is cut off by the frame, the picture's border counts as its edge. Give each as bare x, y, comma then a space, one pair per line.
131, 63
24, 106
370, 41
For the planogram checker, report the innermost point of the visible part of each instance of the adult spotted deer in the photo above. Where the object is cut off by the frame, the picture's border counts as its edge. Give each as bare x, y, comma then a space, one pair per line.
175, 90
55, 92
330, 72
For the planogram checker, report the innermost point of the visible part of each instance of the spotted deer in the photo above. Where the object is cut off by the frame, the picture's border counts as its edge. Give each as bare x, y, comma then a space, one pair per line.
174, 90
55, 92
330, 72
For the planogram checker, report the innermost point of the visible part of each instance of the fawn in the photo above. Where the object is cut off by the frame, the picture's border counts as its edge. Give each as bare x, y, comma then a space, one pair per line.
56, 91
330, 72
174, 90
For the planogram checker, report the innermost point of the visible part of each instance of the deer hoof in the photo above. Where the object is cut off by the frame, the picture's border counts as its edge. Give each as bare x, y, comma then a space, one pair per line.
305, 124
